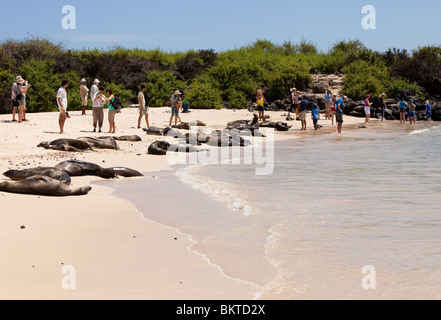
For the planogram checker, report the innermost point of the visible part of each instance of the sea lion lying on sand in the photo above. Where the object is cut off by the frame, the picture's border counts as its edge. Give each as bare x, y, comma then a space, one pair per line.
42, 185
101, 143
133, 138
71, 145
169, 132
189, 125
282, 126
75, 168
50, 172
159, 148
155, 131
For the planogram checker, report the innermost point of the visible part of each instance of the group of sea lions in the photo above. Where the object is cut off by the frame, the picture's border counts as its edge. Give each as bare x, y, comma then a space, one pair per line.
55, 181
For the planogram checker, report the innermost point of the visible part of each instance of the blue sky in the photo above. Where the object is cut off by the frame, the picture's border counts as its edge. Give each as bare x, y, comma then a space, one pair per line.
178, 25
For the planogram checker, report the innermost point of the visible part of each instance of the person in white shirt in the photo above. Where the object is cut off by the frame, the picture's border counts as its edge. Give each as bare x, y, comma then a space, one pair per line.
94, 89
98, 109
62, 104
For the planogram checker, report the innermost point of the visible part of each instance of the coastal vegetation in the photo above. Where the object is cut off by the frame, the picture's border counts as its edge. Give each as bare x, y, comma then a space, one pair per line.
212, 79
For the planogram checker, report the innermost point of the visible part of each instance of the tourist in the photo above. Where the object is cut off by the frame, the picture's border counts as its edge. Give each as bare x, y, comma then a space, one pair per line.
94, 89
176, 106
412, 115
297, 104
294, 103
402, 105
15, 91
84, 92
303, 109
143, 108
315, 116
339, 109
62, 104
428, 111
260, 99
333, 108
367, 108
383, 102
98, 109
111, 111
21, 99
328, 104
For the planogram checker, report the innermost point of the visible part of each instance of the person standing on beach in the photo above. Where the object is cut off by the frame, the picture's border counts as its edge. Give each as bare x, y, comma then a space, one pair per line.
176, 106
15, 91
328, 104
315, 116
112, 111
412, 115
294, 103
62, 104
94, 89
21, 98
367, 108
303, 109
98, 109
339, 105
143, 108
428, 111
260, 99
84, 92
333, 108
402, 105
383, 102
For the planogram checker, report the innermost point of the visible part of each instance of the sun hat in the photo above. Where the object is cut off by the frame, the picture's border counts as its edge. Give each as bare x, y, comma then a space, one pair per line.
293, 89
368, 96
83, 80
427, 101
96, 80
177, 92
18, 78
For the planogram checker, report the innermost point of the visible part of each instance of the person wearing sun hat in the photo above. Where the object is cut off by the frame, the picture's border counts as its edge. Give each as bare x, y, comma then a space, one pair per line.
94, 89
84, 92
176, 106
14, 93
21, 99
367, 108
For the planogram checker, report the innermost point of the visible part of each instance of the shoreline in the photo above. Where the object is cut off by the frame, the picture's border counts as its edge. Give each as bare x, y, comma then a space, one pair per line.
116, 253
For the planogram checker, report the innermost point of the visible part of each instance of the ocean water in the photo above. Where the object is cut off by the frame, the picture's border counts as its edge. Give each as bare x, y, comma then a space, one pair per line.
350, 216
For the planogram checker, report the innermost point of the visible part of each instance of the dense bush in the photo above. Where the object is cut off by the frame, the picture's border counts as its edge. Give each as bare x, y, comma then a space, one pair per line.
213, 80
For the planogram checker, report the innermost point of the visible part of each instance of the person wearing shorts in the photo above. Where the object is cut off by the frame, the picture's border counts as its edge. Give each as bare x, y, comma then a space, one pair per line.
339, 104
303, 108
412, 114
176, 105
143, 108
402, 105
111, 111
84, 92
367, 109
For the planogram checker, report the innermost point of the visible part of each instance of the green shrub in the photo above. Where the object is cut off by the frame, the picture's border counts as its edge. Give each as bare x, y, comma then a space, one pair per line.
204, 95
397, 86
161, 85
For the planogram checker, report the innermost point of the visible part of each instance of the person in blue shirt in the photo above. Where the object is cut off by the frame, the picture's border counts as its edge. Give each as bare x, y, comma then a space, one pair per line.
303, 109
428, 111
402, 105
315, 116
328, 104
339, 109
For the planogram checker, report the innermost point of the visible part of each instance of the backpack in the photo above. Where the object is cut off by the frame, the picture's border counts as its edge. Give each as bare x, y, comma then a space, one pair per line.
117, 104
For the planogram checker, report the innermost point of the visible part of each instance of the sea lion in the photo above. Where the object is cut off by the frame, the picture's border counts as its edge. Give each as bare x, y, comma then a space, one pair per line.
50, 172
154, 131
101, 143
75, 168
189, 125
282, 126
133, 138
126, 172
185, 148
243, 124
43, 186
66, 145
169, 132
267, 125
159, 148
